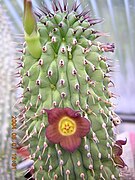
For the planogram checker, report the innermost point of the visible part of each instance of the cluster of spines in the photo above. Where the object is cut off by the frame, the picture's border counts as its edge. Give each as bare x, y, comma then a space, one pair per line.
71, 66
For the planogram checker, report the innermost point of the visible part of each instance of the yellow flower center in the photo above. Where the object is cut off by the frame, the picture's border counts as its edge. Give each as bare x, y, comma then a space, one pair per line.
67, 126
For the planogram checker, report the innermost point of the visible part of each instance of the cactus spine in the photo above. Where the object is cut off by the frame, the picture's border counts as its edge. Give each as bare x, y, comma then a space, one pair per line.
7, 95
68, 117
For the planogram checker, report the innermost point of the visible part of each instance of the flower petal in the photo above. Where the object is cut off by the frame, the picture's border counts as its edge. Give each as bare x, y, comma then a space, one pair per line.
121, 142
55, 114
53, 134
71, 113
70, 143
119, 161
83, 126
117, 150
23, 151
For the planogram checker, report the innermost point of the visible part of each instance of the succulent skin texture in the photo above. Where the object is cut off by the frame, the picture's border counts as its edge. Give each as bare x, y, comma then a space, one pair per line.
65, 95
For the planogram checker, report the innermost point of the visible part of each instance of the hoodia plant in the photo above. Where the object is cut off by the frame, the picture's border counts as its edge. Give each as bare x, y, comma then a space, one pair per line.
67, 114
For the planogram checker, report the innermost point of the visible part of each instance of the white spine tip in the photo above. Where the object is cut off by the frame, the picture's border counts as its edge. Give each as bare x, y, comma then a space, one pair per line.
38, 82
77, 103
53, 39
78, 163
82, 175
39, 157
40, 62
88, 155
44, 49
74, 72
63, 50
77, 87
113, 177
67, 172
63, 94
50, 73
61, 63
54, 103
86, 147
74, 41
90, 166
55, 176
41, 168
50, 168
61, 162
99, 155
104, 125
59, 152
62, 82
101, 167
39, 96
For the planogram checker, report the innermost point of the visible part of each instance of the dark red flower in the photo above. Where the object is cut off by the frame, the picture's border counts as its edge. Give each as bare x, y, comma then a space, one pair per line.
23, 152
117, 152
66, 127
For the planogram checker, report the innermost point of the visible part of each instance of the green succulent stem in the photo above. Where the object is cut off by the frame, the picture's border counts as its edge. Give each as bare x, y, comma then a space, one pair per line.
65, 72
33, 40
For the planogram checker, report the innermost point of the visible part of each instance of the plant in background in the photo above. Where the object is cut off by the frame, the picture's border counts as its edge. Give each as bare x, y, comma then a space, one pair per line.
67, 114
7, 95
